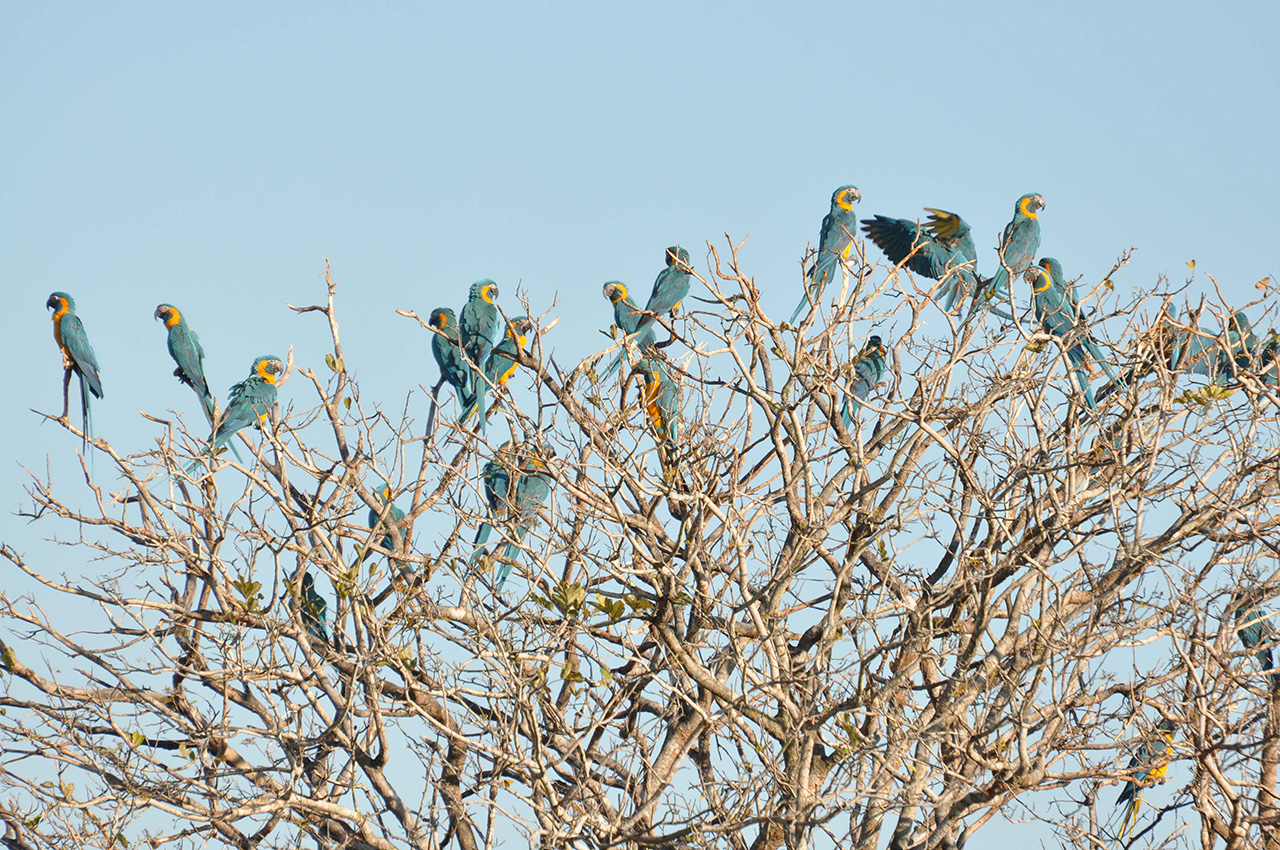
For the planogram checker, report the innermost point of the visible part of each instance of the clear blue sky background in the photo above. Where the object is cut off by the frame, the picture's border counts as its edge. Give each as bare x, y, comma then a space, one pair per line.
212, 155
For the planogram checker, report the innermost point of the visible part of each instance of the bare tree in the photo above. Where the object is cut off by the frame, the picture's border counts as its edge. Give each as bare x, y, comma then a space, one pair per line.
762, 627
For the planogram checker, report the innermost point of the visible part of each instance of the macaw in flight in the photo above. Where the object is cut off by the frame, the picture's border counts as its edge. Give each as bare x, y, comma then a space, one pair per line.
77, 358
942, 249
835, 242
1058, 311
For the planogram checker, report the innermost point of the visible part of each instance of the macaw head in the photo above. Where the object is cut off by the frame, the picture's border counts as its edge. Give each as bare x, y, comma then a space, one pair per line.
168, 314
267, 367
677, 255
1054, 268
484, 290
518, 328
308, 584
844, 198
875, 345
615, 291
1038, 277
59, 302
1029, 205
443, 319
1167, 725
384, 493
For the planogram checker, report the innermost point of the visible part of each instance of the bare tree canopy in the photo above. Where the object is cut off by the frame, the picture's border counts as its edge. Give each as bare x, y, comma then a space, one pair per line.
765, 591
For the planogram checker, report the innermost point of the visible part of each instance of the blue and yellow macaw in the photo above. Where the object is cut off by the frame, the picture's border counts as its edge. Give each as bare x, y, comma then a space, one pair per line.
626, 316
669, 289
1018, 247
394, 517
835, 242
314, 610
660, 395
249, 402
1058, 312
532, 487
868, 370
1151, 767
1217, 357
77, 357
480, 323
942, 249
446, 347
186, 351
499, 368
496, 480
1258, 635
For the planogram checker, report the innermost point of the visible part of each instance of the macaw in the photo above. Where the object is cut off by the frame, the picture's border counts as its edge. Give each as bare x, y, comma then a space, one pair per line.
532, 487
1018, 247
1255, 630
394, 516
868, 370
1218, 357
186, 351
248, 402
669, 289
480, 323
496, 480
943, 250
1152, 766
1058, 312
446, 348
314, 610
77, 357
661, 399
626, 316
500, 367
835, 242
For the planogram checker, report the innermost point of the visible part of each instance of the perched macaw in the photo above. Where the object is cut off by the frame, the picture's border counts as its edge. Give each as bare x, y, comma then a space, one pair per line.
1152, 766
835, 241
314, 610
77, 355
496, 480
1255, 630
1058, 312
1018, 247
661, 399
186, 351
500, 367
531, 489
1217, 357
868, 370
481, 325
942, 248
250, 401
447, 350
626, 316
669, 289
394, 516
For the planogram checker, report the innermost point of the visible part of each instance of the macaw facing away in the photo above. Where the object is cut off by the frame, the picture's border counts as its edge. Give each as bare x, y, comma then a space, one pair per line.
626, 316
77, 356
660, 396
186, 351
394, 516
496, 480
1257, 632
868, 370
500, 367
1058, 312
1018, 247
942, 248
531, 489
669, 289
314, 610
248, 402
835, 242
480, 323
1150, 759
446, 347
1218, 357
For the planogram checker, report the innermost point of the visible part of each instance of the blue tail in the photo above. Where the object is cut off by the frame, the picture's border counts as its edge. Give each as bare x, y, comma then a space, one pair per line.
509, 553
86, 411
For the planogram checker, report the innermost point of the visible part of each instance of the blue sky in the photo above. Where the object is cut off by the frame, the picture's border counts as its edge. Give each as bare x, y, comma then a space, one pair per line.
212, 156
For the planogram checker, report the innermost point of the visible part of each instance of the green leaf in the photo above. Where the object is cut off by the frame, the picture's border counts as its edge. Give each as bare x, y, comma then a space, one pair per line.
347, 401
331, 362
